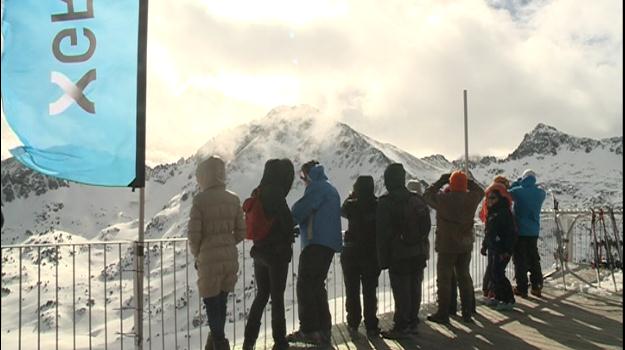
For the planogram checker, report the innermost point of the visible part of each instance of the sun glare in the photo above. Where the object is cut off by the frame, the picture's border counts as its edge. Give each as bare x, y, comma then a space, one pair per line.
283, 11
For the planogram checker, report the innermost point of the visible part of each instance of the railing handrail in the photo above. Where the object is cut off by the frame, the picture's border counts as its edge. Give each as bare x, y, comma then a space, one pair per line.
53, 244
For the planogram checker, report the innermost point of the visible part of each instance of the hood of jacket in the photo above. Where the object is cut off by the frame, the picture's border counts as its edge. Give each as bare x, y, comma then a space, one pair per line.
211, 173
364, 187
395, 177
317, 173
529, 181
279, 173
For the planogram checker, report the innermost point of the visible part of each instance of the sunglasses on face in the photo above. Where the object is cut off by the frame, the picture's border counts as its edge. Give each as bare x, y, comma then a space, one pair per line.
493, 198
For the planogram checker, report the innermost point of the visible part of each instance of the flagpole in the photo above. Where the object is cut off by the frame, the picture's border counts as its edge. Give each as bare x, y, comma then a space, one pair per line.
140, 170
139, 261
466, 134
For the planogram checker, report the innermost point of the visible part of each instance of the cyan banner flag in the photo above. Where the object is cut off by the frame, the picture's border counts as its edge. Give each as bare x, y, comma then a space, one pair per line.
73, 87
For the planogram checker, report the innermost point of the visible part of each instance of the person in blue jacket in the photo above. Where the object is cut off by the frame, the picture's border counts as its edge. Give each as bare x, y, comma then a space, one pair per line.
528, 200
318, 214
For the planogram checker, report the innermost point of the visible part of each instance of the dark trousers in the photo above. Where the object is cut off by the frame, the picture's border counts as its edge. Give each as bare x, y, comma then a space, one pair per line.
358, 270
406, 278
270, 276
314, 311
500, 284
216, 312
527, 259
447, 264
453, 302
486, 280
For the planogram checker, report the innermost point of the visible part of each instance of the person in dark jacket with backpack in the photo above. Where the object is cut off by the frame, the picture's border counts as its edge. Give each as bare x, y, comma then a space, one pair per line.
272, 253
455, 212
318, 215
499, 239
402, 228
358, 258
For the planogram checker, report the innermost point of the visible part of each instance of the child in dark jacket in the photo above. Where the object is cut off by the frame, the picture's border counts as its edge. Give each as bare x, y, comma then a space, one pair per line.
499, 239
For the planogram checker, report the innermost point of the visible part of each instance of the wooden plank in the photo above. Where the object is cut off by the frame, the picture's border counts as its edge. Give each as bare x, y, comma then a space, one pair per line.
560, 320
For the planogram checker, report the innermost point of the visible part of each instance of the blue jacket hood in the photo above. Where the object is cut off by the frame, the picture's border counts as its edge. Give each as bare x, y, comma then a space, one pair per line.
317, 173
529, 181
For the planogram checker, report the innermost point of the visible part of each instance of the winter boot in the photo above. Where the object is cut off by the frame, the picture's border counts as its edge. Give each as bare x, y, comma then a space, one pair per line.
518, 292
537, 292
209, 342
313, 338
505, 306
280, 345
353, 332
373, 333
491, 302
438, 319
248, 344
221, 344
397, 334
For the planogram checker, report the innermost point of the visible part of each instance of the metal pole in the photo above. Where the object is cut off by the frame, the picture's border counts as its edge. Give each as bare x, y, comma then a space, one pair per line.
466, 134
138, 280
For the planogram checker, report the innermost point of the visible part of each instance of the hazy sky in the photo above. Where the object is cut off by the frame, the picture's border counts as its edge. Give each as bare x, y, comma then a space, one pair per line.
392, 69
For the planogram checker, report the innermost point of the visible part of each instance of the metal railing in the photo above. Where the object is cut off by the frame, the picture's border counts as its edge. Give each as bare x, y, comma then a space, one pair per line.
80, 295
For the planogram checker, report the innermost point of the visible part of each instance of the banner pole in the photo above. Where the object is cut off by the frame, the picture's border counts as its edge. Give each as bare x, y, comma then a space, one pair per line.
138, 285
466, 134
140, 170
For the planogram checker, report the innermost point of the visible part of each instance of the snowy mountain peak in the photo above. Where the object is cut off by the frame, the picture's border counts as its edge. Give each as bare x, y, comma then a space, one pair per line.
547, 140
298, 112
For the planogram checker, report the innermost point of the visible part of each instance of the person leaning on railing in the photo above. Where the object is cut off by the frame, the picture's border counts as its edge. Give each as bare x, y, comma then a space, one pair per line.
215, 227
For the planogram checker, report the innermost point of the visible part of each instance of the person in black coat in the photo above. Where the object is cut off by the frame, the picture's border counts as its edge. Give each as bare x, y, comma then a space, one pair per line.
499, 239
358, 259
404, 261
272, 255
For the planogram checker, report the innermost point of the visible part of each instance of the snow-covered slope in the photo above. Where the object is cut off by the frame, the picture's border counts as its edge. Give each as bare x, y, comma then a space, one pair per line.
39, 209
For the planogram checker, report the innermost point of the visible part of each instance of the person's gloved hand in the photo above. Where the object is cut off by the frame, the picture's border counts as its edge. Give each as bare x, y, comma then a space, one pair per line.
483, 251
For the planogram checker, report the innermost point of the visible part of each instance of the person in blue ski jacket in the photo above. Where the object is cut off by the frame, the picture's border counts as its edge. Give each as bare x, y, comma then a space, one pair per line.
528, 200
318, 214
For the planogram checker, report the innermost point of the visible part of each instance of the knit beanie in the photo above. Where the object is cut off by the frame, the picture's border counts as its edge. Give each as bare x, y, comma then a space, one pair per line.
502, 180
458, 181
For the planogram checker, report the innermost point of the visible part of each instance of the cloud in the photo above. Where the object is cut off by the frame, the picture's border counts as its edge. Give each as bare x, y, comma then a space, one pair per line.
394, 70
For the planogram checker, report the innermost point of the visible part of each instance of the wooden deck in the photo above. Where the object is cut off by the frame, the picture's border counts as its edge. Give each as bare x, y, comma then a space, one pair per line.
560, 320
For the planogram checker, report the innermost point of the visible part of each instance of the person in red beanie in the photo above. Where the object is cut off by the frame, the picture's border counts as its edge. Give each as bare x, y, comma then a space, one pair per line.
455, 212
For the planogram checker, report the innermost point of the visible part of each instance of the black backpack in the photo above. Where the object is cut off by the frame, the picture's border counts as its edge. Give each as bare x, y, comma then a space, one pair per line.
413, 222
